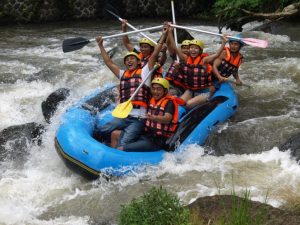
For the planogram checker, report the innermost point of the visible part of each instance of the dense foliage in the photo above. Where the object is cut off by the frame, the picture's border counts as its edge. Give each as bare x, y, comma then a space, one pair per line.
232, 7
157, 207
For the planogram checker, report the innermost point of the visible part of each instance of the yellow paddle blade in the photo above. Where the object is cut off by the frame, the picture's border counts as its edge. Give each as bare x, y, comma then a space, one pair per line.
122, 110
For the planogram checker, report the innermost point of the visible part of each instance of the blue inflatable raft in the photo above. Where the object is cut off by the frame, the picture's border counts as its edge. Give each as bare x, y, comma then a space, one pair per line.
81, 151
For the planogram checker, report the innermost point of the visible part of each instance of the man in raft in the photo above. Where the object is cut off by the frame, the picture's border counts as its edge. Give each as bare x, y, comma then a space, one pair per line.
229, 61
130, 79
146, 50
161, 122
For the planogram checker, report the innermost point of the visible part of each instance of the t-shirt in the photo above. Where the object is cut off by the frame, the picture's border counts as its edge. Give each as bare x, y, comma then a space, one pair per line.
170, 108
140, 112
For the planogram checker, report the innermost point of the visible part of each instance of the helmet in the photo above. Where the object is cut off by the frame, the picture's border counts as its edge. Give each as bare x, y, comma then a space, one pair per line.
198, 43
146, 41
162, 81
236, 38
185, 42
133, 54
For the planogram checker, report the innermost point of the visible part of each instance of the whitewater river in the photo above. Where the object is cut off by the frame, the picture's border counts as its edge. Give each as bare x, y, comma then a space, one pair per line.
42, 191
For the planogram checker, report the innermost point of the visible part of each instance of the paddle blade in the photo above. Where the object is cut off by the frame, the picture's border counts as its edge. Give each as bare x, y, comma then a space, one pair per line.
122, 110
255, 42
73, 44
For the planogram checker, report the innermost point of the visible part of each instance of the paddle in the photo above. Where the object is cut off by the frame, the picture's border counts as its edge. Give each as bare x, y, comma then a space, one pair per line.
132, 27
249, 41
175, 33
73, 44
122, 110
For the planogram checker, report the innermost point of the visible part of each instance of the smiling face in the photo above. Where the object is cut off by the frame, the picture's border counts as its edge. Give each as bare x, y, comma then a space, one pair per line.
158, 91
131, 62
194, 51
146, 49
185, 49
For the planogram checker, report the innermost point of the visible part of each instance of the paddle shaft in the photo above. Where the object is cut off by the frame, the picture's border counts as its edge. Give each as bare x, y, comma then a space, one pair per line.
132, 27
248, 41
198, 30
143, 82
129, 32
175, 32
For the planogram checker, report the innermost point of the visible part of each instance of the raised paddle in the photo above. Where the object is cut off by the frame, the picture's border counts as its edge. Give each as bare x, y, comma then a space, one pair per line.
73, 44
249, 41
132, 27
122, 110
175, 32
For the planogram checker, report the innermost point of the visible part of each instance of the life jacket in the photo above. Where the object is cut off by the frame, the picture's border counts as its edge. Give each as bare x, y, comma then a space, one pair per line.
158, 108
230, 64
129, 82
144, 60
158, 73
197, 76
175, 76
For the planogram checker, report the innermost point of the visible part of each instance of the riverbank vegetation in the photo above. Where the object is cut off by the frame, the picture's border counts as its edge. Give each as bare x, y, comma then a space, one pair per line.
159, 207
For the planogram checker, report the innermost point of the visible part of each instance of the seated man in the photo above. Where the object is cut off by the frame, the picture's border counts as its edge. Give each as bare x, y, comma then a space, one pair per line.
161, 122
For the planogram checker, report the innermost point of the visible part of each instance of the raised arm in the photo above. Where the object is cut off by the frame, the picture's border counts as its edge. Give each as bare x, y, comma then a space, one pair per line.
154, 55
125, 38
107, 60
170, 43
211, 58
173, 46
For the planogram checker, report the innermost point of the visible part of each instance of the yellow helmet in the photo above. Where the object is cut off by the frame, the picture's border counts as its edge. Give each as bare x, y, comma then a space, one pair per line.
146, 41
198, 43
162, 81
133, 54
185, 42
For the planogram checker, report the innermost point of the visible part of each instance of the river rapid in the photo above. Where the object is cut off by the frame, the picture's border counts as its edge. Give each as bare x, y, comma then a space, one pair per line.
43, 191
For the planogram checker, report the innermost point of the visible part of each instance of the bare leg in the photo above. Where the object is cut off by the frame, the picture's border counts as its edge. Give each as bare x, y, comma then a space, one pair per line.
115, 135
186, 95
200, 98
195, 101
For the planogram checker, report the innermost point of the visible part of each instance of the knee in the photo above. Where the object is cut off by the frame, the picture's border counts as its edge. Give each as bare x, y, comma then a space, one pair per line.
115, 134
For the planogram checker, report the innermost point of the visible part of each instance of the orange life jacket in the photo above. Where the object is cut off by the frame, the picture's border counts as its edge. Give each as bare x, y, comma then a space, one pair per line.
230, 64
129, 83
197, 76
158, 108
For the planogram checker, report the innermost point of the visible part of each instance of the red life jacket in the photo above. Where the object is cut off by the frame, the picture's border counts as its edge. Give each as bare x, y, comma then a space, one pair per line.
197, 76
175, 76
230, 64
129, 83
158, 108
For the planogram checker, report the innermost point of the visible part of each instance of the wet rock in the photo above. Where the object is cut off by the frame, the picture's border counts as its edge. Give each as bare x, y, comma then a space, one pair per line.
210, 208
15, 140
50, 105
292, 144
